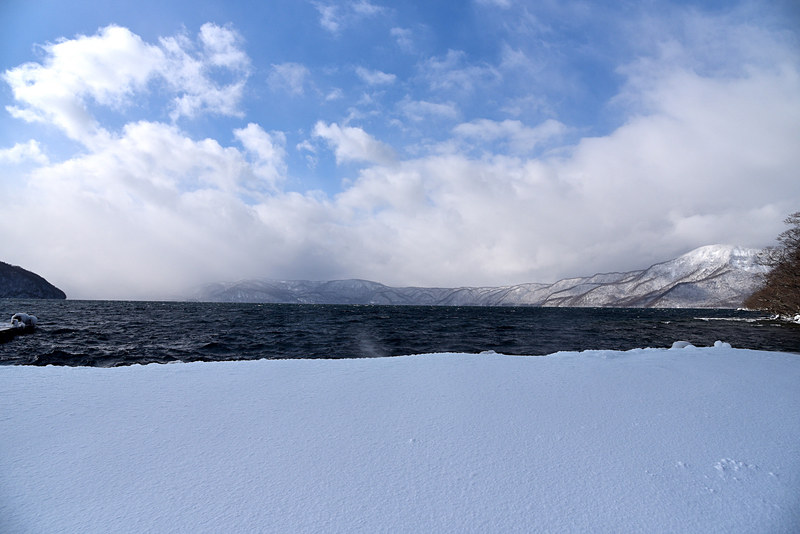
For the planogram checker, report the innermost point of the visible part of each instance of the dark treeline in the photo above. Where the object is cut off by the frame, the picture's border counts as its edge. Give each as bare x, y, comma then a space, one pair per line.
780, 293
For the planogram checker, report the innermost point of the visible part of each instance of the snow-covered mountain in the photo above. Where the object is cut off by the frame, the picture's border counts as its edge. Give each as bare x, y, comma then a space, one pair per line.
714, 276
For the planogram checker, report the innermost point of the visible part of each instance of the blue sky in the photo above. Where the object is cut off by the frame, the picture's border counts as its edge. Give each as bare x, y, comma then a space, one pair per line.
156, 145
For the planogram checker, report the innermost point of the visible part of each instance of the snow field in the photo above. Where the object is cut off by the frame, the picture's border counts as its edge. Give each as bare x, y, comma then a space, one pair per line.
651, 440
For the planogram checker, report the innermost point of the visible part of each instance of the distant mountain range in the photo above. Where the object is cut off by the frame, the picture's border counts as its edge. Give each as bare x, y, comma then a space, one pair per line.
16, 282
714, 276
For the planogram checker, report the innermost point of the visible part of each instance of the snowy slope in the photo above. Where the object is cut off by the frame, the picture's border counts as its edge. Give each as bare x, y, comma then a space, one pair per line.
711, 276
680, 440
716, 276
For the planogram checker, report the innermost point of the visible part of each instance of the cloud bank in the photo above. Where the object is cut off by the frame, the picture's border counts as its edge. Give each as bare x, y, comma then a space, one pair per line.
144, 209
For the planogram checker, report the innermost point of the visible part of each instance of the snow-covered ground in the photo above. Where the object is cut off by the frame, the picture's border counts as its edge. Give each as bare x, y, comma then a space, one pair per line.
649, 440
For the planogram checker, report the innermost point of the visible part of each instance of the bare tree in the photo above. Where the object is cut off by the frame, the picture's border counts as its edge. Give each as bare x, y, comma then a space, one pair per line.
780, 292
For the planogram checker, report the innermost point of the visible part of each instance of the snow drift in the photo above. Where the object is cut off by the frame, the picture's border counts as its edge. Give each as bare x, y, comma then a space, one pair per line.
650, 440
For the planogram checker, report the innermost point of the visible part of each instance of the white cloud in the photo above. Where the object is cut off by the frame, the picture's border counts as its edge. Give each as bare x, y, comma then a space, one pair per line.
678, 177
309, 151
498, 3
222, 47
269, 151
453, 72
712, 143
375, 77
190, 75
353, 144
222, 100
158, 161
105, 68
537, 104
290, 77
149, 212
333, 17
366, 8
419, 110
108, 68
334, 94
328, 16
519, 138
22, 152
403, 37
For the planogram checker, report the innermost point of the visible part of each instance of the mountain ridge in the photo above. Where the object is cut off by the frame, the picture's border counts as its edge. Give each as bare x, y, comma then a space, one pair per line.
16, 282
713, 276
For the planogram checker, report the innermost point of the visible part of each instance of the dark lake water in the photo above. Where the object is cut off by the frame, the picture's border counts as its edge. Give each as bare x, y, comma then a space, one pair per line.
111, 333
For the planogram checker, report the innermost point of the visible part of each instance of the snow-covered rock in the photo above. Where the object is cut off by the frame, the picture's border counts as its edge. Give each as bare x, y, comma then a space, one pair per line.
20, 323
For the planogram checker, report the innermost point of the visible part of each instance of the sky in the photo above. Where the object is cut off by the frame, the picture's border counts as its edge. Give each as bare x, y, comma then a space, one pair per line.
147, 147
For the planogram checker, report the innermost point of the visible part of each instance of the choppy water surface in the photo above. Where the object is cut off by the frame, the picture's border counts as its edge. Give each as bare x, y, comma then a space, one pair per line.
100, 333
